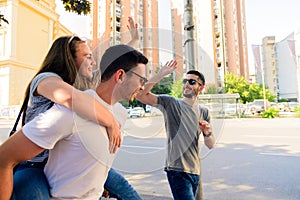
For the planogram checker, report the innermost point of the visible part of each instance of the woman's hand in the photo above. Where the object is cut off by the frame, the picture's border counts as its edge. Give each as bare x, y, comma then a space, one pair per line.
114, 136
133, 29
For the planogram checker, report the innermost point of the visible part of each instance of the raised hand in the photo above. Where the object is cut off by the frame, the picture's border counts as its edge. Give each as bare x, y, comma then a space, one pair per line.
168, 68
133, 28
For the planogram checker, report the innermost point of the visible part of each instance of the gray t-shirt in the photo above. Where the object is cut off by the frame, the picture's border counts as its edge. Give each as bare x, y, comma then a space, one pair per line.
37, 105
183, 144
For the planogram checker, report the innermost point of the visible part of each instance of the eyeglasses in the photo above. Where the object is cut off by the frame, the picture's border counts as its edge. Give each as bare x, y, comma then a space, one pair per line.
191, 81
143, 79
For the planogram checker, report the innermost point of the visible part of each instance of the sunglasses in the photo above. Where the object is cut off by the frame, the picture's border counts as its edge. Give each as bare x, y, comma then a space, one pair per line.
143, 79
191, 81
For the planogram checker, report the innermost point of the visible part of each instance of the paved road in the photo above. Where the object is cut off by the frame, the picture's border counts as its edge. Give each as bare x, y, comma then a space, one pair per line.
254, 159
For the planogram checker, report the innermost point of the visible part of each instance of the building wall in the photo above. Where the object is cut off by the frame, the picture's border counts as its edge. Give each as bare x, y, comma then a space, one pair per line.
32, 27
220, 31
288, 83
269, 63
116, 32
178, 37
205, 40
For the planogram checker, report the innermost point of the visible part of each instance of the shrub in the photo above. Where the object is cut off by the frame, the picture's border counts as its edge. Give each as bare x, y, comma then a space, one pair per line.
297, 111
270, 113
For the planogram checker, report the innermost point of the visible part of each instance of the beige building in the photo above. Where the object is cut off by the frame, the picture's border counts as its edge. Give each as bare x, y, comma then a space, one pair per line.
24, 42
269, 64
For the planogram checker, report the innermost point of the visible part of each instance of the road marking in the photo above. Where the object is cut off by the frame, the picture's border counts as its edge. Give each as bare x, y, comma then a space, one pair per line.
143, 147
272, 136
280, 154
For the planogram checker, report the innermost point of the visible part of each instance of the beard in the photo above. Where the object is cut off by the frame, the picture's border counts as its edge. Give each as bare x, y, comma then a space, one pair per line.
190, 95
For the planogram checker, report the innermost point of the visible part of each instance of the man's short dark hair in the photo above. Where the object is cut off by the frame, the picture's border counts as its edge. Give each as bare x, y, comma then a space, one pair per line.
199, 74
120, 57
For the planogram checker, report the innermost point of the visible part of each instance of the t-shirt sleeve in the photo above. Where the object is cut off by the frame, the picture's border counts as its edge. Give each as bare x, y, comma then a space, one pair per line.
163, 101
205, 114
120, 113
48, 128
36, 81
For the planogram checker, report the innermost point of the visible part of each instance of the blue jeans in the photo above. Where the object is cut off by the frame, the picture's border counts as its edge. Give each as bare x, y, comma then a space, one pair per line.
183, 185
31, 184
118, 187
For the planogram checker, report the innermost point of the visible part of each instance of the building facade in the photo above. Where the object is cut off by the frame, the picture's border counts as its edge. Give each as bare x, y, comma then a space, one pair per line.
24, 42
110, 20
269, 60
288, 63
221, 42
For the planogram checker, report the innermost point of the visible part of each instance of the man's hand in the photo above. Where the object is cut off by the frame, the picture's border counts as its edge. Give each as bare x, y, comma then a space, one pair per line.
168, 68
205, 127
114, 136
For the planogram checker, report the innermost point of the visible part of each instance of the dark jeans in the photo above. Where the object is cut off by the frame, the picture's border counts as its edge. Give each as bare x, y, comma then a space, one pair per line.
30, 183
183, 185
118, 187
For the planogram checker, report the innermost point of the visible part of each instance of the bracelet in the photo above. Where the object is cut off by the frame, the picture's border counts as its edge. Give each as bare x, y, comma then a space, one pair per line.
208, 135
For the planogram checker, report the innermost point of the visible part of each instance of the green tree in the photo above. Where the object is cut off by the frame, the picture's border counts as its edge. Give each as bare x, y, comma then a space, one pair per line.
163, 86
77, 6
176, 89
247, 92
212, 90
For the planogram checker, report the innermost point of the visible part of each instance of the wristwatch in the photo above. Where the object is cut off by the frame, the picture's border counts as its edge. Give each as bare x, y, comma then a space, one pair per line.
208, 135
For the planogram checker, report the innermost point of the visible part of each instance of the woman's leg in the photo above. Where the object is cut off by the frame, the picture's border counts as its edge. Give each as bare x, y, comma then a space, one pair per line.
30, 184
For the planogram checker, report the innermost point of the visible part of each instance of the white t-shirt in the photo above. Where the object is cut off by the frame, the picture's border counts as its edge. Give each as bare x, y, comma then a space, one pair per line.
79, 158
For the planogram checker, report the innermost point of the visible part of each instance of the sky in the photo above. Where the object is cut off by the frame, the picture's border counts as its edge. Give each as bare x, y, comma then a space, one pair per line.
276, 18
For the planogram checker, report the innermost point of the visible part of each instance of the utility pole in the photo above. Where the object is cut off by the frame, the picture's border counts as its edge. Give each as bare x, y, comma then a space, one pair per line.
189, 27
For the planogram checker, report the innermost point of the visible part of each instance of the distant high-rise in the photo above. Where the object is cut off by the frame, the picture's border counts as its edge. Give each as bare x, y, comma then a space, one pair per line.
110, 20
269, 64
221, 42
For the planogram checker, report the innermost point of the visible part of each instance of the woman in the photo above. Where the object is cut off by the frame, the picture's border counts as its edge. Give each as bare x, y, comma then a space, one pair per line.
68, 62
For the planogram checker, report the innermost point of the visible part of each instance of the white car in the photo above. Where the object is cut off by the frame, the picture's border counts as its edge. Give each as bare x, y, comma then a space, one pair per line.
293, 106
137, 112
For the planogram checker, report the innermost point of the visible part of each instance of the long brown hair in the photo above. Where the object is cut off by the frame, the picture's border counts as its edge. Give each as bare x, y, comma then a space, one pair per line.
59, 60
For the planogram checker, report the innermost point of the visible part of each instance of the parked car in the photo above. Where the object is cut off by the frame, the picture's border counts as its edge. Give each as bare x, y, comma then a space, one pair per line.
293, 106
284, 107
128, 109
148, 108
137, 112
258, 106
274, 105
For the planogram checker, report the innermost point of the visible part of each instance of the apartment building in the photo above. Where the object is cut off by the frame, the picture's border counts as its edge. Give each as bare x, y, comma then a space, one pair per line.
24, 42
110, 20
221, 38
288, 65
269, 64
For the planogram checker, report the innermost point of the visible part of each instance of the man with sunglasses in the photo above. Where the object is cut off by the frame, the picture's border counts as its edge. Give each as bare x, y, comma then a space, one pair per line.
185, 120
